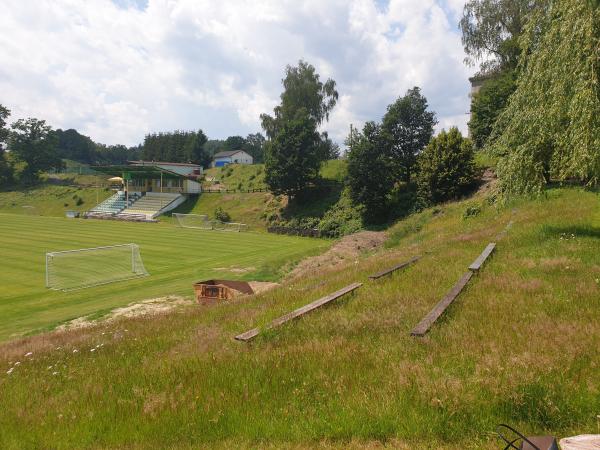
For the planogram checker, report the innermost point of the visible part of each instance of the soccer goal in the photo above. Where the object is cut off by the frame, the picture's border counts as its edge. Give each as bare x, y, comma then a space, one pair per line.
228, 226
193, 221
202, 222
87, 267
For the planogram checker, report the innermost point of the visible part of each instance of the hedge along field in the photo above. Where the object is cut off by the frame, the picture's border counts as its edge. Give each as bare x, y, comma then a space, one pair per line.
175, 258
520, 346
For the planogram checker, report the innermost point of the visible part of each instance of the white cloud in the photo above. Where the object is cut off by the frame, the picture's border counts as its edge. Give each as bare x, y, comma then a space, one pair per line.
118, 70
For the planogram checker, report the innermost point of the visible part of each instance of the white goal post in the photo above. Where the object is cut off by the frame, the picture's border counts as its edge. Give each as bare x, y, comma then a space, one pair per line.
193, 221
86, 267
201, 221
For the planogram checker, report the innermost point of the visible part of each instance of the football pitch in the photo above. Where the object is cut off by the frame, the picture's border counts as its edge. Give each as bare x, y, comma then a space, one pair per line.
174, 257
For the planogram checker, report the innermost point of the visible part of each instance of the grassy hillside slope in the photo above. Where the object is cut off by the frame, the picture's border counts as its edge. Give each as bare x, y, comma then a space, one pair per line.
175, 258
519, 346
253, 208
51, 200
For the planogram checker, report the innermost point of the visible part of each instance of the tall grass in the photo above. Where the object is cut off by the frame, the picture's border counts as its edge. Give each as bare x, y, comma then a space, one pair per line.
518, 346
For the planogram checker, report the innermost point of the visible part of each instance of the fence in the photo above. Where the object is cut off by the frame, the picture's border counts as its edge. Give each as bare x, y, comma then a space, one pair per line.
292, 231
232, 191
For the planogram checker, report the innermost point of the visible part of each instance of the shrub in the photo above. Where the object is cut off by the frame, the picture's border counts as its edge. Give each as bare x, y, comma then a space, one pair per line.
222, 215
446, 168
79, 201
342, 218
471, 211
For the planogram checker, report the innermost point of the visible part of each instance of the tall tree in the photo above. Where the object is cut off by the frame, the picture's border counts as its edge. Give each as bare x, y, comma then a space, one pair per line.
369, 179
177, 146
491, 30
75, 146
551, 126
6, 172
32, 142
295, 150
292, 157
234, 143
302, 88
4, 131
255, 146
407, 128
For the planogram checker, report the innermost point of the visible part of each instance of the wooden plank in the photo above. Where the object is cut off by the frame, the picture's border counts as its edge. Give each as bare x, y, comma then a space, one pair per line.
476, 265
425, 324
299, 312
393, 269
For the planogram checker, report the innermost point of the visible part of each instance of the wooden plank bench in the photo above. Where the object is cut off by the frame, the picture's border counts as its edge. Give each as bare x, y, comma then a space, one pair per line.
251, 334
476, 265
425, 324
393, 269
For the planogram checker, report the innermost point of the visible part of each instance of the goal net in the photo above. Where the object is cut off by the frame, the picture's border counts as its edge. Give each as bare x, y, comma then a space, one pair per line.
202, 222
193, 221
228, 226
87, 267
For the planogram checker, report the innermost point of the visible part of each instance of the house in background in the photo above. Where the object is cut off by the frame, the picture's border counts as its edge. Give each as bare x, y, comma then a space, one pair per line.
221, 159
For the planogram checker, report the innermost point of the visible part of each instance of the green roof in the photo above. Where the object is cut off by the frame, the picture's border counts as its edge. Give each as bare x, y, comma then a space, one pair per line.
137, 172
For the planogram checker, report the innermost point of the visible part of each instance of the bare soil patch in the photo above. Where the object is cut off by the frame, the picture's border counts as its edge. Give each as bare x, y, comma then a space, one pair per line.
346, 249
147, 307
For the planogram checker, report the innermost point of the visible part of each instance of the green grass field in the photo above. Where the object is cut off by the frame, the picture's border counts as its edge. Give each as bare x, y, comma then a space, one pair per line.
174, 257
519, 346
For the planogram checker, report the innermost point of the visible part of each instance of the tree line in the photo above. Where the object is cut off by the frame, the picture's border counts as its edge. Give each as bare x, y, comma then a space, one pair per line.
35, 148
385, 159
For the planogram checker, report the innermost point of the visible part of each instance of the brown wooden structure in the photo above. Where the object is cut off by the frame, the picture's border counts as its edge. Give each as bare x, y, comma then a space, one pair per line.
214, 291
251, 334
427, 322
393, 269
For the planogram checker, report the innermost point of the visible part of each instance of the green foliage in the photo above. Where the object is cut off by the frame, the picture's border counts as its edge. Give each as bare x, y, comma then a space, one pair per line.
472, 211
6, 170
342, 218
370, 179
295, 150
487, 105
4, 131
222, 215
177, 146
302, 89
407, 128
293, 157
446, 168
551, 126
491, 30
339, 378
32, 143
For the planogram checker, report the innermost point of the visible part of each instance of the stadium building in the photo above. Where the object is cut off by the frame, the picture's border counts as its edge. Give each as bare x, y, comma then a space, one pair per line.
147, 189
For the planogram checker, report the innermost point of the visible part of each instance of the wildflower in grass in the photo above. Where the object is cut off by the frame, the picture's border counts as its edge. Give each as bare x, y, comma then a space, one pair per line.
75, 351
17, 363
9, 371
49, 367
28, 353
93, 350
54, 373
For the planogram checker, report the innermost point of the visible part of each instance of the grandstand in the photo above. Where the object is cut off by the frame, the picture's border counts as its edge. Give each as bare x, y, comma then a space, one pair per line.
114, 204
148, 190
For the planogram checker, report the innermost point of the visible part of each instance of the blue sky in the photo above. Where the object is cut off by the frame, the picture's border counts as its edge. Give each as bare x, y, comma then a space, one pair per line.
118, 69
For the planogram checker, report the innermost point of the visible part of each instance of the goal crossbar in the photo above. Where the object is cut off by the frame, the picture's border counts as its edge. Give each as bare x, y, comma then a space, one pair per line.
86, 267
202, 222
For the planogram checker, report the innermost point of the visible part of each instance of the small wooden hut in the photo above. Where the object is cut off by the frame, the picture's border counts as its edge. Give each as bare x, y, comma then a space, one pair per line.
213, 291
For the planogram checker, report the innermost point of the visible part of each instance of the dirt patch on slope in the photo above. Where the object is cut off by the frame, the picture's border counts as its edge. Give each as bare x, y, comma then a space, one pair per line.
262, 286
147, 307
346, 249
